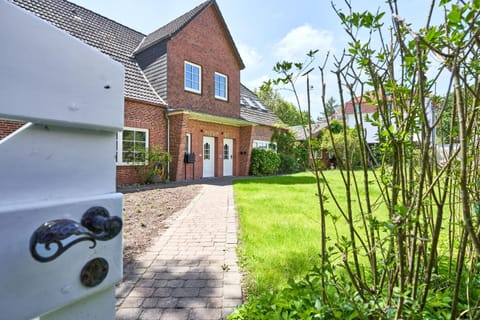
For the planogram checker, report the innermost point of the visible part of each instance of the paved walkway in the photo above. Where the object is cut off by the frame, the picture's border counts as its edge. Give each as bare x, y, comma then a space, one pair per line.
191, 271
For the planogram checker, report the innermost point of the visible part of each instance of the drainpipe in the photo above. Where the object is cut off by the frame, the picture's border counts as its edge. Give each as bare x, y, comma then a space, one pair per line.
168, 142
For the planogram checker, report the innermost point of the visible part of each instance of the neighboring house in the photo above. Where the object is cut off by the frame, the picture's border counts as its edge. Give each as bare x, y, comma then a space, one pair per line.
182, 90
360, 106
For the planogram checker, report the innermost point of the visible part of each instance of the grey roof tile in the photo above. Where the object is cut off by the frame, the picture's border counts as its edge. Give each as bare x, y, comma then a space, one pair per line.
299, 131
253, 110
108, 36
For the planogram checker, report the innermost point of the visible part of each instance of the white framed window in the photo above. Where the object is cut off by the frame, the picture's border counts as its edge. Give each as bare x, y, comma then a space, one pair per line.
221, 86
131, 146
193, 77
262, 144
206, 151
188, 143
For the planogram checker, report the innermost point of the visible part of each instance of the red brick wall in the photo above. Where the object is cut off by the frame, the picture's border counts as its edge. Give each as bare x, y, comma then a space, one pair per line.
262, 133
9, 126
245, 149
204, 43
180, 125
178, 129
143, 115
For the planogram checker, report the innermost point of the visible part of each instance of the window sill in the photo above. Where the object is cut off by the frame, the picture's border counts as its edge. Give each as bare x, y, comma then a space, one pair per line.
193, 91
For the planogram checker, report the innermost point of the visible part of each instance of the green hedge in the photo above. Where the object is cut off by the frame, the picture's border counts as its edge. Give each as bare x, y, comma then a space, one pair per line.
264, 162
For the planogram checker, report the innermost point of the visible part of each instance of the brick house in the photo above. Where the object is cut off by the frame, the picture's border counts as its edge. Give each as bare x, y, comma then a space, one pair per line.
182, 90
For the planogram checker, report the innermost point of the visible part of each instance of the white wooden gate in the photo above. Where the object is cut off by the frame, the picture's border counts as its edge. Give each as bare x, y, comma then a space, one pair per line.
60, 218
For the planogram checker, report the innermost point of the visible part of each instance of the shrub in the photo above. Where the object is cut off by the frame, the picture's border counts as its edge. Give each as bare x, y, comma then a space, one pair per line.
264, 162
155, 167
288, 164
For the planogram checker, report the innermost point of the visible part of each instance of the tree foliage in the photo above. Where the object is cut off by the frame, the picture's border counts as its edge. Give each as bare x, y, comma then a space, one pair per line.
284, 110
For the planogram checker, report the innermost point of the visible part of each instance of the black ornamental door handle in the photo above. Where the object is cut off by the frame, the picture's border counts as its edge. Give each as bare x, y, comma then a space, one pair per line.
54, 237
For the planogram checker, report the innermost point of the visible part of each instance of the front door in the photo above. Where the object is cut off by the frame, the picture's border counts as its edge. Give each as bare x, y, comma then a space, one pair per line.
208, 157
227, 157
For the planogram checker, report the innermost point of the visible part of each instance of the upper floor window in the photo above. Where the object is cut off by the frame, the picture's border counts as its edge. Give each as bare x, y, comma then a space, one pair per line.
221, 86
132, 144
193, 77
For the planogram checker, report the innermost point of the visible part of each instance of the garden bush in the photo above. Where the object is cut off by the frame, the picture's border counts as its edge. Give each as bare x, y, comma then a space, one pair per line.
264, 162
288, 164
155, 168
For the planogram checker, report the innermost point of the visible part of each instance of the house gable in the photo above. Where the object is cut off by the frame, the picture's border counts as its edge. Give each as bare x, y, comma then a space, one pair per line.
204, 42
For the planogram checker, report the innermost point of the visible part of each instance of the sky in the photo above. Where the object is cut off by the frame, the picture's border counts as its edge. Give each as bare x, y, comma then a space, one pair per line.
265, 32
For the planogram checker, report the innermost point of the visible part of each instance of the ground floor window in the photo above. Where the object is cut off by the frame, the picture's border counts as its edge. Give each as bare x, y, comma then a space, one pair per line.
262, 144
131, 146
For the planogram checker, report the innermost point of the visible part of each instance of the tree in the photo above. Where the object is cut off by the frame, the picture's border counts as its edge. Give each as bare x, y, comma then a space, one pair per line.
330, 107
284, 110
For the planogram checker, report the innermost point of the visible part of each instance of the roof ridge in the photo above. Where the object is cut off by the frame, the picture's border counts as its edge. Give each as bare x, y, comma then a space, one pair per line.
104, 17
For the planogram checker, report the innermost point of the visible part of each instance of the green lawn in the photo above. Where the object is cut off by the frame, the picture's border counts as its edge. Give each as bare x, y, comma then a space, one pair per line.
280, 226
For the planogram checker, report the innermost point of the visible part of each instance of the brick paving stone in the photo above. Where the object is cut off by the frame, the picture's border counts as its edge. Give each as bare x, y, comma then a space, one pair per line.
142, 292
147, 276
175, 283
214, 284
145, 283
118, 302
205, 314
132, 302
162, 292
231, 302
175, 314
192, 302
166, 303
185, 292
211, 292
214, 302
160, 283
127, 313
195, 283
151, 314
123, 289
232, 291
150, 302
139, 270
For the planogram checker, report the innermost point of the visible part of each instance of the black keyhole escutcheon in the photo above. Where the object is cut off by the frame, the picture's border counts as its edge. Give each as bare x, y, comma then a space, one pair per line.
94, 272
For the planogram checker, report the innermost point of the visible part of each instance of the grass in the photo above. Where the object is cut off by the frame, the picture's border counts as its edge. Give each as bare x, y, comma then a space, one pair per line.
280, 227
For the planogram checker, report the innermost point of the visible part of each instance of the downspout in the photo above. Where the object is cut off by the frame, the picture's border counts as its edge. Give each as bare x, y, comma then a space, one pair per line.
168, 142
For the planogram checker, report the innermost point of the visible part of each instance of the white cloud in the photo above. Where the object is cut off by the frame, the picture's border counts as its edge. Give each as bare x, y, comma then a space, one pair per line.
250, 56
299, 41
256, 83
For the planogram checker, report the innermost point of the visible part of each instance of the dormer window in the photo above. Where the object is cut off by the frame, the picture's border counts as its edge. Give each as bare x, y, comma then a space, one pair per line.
193, 77
221, 86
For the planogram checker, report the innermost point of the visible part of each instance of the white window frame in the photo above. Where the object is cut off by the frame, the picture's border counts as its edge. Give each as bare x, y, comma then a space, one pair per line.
218, 74
119, 154
188, 143
263, 144
199, 77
